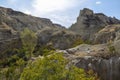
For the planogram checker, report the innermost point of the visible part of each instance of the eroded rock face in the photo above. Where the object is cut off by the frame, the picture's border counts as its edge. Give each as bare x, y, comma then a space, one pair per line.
96, 58
99, 50
18, 20
107, 69
88, 23
107, 34
111, 35
9, 39
116, 42
58, 38
117, 46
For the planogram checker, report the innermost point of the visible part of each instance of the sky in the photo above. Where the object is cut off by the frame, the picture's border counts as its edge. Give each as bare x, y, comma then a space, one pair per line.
64, 12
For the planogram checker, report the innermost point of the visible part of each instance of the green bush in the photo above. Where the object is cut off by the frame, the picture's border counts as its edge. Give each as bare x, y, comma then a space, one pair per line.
44, 50
111, 49
53, 67
29, 41
77, 42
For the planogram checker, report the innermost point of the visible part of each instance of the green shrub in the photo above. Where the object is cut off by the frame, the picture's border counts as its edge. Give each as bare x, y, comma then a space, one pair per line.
53, 67
111, 49
77, 42
29, 41
44, 50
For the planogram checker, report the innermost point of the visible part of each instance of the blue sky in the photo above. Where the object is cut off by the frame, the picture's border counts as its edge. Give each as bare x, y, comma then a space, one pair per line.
63, 12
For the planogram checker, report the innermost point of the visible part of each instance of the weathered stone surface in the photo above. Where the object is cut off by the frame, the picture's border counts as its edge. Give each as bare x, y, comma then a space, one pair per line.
89, 23
111, 35
95, 57
116, 42
9, 39
58, 38
99, 50
117, 46
107, 69
107, 34
18, 20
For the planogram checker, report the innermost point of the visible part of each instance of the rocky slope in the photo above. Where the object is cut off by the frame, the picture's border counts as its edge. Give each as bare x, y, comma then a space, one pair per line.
103, 58
18, 20
58, 38
13, 22
108, 34
88, 23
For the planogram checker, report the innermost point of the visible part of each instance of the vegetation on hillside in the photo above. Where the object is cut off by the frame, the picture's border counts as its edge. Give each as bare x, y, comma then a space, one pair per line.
29, 41
53, 67
50, 66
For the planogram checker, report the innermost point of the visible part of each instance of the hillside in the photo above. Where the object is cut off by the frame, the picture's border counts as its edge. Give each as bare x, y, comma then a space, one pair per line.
92, 44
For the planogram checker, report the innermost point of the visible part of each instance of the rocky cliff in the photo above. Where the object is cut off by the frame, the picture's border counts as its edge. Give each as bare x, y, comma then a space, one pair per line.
88, 23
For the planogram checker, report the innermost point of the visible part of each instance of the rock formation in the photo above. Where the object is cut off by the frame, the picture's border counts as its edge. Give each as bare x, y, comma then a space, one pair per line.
95, 57
58, 38
88, 23
12, 22
18, 20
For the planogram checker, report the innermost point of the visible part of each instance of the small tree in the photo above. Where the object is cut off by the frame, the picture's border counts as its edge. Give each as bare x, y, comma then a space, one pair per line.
29, 41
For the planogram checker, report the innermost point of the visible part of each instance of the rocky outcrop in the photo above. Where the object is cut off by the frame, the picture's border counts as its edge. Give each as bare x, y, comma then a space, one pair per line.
107, 69
116, 42
58, 38
116, 45
9, 39
107, 34
95, 57
99, 50
111, 35
18, 20
88, 23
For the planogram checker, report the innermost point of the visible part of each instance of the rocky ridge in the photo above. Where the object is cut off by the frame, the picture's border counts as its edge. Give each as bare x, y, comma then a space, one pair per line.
88, 23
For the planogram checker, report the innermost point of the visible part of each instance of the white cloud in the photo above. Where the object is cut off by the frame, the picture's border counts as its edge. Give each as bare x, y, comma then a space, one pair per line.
47, 6
27, 11
62, 19
98, 2
56, 9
